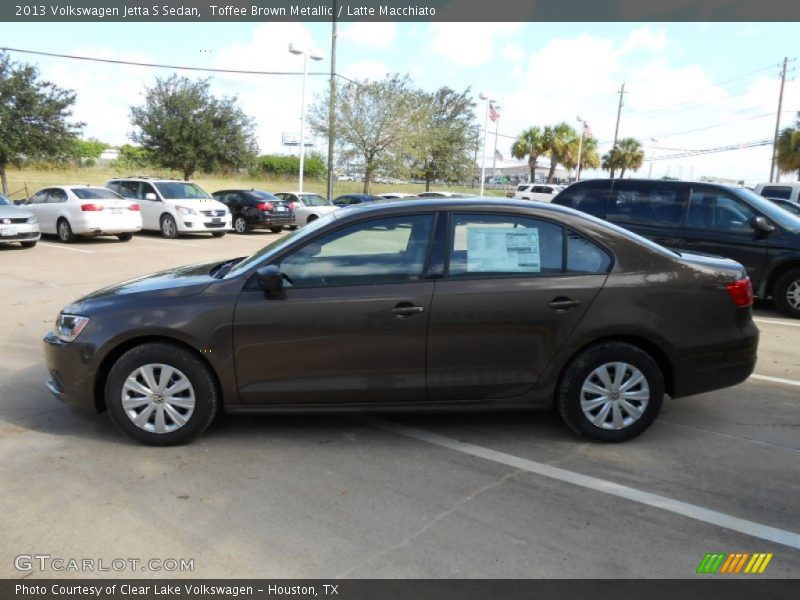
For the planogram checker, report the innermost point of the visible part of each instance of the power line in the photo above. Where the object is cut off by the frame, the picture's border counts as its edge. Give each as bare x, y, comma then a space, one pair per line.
702, 151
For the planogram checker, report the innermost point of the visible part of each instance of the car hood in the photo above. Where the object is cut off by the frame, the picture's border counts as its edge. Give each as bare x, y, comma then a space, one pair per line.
172, 283
13, 212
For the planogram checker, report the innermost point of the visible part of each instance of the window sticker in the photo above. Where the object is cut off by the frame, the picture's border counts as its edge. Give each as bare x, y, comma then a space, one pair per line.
503, 250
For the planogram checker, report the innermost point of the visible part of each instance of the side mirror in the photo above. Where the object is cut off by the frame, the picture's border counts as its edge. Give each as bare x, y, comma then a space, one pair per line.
150, 196
762, 225
269, 279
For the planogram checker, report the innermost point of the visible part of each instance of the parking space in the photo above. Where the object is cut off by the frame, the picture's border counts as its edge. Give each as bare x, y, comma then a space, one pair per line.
466, 495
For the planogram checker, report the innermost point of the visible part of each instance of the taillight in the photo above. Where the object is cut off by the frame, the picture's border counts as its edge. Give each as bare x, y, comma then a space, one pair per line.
92, 207
741, 292
134, 207
291, 205
264, 206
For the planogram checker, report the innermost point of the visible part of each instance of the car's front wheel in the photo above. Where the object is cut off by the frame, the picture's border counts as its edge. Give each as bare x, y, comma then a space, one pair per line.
611, 392
786, 293
218, 234
27, 244
161, 394
276, 229
125, 237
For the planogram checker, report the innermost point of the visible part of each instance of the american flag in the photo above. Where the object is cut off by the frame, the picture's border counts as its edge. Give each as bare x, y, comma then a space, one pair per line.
497, 155
493, 114
587, 132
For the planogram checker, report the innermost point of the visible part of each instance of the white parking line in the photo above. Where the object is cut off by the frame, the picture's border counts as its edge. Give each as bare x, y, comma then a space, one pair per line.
776, 322
185, 244
60, 247
775, 379
692, 511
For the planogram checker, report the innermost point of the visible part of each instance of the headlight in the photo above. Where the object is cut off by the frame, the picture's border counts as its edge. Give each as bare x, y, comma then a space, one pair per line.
32, 220
68, 327
186, 211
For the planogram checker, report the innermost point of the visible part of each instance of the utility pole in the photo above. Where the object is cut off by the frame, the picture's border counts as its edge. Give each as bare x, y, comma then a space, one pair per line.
621, 93
332, 103
778, 123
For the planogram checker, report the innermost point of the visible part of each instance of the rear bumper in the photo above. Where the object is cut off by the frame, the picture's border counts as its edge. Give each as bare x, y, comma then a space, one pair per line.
717, 367
71, 374
271, 220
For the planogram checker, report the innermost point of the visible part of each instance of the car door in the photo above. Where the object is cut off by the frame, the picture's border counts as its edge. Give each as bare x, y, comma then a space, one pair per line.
506, 304
719, 224
152, 209
36, 204
653, 209
350, 325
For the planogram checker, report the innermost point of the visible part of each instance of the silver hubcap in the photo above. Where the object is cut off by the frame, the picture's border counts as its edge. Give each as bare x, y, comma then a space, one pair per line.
158, 398
614, 395
793, 295
167, 227
240, 225
63, 230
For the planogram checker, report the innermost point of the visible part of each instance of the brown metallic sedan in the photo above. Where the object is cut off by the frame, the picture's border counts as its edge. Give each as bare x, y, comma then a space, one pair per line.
421, 305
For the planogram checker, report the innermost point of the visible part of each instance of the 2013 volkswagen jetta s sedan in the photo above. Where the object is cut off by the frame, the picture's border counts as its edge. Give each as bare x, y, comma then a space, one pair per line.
424, 305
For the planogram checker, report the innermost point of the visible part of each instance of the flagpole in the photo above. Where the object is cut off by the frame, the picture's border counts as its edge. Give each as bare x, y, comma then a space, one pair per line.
483, 149
580, 149
494, 156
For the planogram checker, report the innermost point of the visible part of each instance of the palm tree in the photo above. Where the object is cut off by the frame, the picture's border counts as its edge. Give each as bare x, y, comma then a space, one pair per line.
788, 150
627, 154
529, 144
590, 159
558, 141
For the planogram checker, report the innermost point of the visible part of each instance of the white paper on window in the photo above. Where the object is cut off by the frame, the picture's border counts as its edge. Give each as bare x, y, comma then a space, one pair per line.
503, 250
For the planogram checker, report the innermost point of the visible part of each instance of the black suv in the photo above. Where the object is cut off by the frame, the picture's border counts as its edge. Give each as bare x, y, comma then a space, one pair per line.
706, 218
254, 209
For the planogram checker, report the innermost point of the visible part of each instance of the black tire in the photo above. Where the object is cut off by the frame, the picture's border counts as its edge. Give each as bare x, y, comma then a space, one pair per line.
64, 231
292, 227
125, 237
786, 293
240, 225
169, 229
28, 244
311, 218
579, 370
218, 234
189, 364
276, 229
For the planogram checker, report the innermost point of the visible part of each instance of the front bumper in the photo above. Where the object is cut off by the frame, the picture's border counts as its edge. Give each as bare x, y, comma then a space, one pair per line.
22, 232
195, 223
71, 371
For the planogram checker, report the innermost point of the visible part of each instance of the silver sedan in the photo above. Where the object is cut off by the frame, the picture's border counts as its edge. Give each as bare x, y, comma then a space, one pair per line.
17, 224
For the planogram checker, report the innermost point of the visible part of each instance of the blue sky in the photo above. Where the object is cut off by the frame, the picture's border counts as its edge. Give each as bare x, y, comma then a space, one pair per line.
719, 78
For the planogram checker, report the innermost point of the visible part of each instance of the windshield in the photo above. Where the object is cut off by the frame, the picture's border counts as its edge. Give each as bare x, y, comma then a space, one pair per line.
181, 190
314, 200
783, 218
278, 244
4, 201
96, 194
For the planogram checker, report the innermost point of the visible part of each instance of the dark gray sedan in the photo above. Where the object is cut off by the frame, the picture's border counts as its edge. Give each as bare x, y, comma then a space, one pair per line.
432, 305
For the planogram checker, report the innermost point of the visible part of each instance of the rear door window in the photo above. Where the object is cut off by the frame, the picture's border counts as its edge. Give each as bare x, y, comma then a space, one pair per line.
646, 204
588, 198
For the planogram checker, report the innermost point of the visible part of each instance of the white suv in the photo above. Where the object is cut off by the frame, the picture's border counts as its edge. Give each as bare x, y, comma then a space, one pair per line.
173, 206
543, 192
779, 191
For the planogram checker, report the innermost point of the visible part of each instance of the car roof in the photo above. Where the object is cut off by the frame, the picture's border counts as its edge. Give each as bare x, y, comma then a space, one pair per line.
147, 178
456, 204
681, 182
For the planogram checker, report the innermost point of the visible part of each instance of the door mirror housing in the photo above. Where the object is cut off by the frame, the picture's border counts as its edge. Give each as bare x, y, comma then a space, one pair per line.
269, 279
762, 225
151, 196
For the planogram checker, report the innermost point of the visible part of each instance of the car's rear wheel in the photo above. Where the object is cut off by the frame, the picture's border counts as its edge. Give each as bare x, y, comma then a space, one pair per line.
161, 394
125, 237
240, 225
27, 244
611, 392
168, 227
786, 293
64, 231
276, 229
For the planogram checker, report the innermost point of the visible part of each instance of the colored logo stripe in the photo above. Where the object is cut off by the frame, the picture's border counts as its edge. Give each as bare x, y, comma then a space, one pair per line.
719, 562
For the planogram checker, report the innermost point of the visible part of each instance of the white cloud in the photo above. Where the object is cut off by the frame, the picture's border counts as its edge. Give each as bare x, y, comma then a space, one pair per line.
365, 69
371, 35
644, 38
469, 44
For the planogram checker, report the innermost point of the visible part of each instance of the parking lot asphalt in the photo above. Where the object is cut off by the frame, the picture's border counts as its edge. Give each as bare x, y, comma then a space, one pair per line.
456, 495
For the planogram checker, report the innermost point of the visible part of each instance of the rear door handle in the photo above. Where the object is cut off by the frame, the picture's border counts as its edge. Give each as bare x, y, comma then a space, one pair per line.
563, 304
406, 309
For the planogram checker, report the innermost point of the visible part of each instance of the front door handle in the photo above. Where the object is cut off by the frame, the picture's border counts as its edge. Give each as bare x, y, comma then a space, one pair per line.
406, 309
562, 304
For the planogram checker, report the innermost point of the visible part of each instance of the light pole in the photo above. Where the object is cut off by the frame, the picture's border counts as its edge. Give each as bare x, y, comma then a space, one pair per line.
483, 96
652, 158
494, 156
314, 55
580, 150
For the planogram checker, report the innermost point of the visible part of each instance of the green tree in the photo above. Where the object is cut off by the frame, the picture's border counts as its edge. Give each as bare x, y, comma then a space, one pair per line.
559, 140
445, 135
529, 144
182, 126
627, 154
34, 117
590, 159
91, 148
373, 121
788, 150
